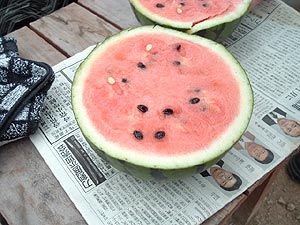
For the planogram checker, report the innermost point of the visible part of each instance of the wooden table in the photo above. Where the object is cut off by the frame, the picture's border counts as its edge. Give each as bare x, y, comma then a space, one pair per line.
29, 192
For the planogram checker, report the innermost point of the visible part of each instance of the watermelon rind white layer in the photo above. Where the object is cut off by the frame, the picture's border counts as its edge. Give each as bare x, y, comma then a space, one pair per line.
240, 11
115, 150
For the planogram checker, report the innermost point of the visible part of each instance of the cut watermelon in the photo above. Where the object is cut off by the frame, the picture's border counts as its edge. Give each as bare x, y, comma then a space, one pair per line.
214, 19
159, 103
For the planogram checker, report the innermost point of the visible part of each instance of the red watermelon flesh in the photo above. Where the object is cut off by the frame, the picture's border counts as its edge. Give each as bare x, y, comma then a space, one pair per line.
189, 97
193, 11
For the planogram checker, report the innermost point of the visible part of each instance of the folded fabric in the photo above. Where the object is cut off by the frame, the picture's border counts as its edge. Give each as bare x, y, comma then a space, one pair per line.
23, 89
8, 46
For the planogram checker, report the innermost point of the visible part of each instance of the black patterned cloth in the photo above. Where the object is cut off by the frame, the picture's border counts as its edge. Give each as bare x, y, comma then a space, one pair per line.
23, 89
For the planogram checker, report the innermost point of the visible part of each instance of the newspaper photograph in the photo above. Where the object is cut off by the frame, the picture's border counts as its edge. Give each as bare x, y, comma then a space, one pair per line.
266, 44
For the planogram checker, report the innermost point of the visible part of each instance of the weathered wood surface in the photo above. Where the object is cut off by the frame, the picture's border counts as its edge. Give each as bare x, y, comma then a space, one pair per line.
29, 192
117, 12
255, 195
31, 46
72, 29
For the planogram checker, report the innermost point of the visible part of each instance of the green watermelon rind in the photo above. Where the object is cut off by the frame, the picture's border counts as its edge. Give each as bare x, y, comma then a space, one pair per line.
146, 173
137, 164
216, 30
220, 32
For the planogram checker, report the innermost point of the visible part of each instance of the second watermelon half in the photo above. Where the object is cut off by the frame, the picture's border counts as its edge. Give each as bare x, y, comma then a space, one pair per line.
214, 19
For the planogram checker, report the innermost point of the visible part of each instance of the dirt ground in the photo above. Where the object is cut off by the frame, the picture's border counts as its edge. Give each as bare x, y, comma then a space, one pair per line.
281, 206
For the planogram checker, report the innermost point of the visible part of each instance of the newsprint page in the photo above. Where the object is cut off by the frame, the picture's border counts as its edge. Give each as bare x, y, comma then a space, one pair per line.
267, 44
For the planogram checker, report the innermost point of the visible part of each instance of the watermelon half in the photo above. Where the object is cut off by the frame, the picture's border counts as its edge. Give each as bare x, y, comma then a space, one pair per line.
214, 19
159, 103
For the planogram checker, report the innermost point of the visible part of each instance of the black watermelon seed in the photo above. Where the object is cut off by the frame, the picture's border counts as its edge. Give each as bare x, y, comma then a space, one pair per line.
138, 135
142, 108
194, 100
205, 5
176, 63
159, 134
168, 111
182, 3
159, 5
124, 80
178, 47
141, 65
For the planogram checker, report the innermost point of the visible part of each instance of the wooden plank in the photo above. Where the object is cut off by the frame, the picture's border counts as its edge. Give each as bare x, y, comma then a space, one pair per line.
246, 205
118, 12
256, 195
33, 47
72, 29
253, 202
30, 194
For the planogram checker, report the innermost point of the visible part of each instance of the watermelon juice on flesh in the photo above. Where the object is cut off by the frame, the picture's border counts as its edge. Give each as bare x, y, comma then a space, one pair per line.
159, 103
214, 19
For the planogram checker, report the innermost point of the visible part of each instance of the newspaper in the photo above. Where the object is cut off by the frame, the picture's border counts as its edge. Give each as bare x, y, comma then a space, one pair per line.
267, 45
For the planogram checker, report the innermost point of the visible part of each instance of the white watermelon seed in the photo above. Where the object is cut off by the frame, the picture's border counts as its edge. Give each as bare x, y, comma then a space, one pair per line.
111, 80
179, 10
148, 47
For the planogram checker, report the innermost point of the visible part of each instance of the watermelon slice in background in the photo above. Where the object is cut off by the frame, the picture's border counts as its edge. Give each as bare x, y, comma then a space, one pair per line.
158, 103
214, 19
